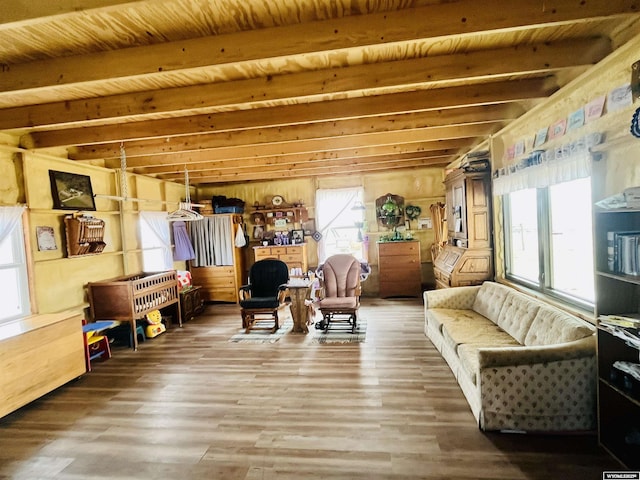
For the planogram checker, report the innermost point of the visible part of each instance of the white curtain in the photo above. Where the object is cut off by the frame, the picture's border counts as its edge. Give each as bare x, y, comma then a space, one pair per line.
10, 218
158, 226
212, 241
543, 168
330, 205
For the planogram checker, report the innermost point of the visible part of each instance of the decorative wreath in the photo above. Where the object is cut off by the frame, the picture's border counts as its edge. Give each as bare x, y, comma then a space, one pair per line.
412, 211
635, 124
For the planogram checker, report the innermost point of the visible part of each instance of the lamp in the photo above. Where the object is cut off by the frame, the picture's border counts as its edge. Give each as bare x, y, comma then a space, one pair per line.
358, 205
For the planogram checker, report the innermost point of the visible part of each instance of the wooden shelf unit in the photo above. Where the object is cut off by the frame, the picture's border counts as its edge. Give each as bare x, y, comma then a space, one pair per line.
292, 214
616, 293
84, 235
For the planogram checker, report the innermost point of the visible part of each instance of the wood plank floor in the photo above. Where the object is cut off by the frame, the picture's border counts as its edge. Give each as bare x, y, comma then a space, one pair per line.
192, 405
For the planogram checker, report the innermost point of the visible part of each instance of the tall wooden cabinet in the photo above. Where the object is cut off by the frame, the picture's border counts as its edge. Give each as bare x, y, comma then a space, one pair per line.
400, 270
617, 293
467, 259
221, 283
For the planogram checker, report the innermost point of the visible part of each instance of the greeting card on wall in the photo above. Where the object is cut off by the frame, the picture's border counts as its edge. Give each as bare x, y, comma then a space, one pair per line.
511, 152
520, 148
619, 98
46, 238
541, 137
558, 129
576, 120
593, 109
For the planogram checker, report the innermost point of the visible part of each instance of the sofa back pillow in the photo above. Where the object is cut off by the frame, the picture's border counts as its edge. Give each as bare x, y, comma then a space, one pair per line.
489, 300
517, 314
551, 326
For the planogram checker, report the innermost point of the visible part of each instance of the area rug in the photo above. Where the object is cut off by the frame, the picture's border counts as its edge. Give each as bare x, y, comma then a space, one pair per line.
340, 332
263, 336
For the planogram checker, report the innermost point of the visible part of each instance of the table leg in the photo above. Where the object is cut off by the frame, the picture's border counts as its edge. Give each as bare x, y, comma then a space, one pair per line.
299, 310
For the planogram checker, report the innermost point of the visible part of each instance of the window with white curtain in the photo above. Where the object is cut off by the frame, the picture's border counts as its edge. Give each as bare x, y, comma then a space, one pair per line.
155, 239
339, 222
14, 280
548, 240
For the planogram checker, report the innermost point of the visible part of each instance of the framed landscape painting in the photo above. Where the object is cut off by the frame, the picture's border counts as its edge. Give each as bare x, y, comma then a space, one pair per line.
71, 191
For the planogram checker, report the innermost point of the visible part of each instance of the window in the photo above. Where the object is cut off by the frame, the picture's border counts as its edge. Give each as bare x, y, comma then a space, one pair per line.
156, 242
340, 221
548, 240
13, 267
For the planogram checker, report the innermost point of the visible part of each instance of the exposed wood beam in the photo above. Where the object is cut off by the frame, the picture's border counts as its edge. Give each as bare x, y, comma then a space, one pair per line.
451, 18
393, 139
420, 149
20, 12
316, 85
385, 123
344, 169
451, 97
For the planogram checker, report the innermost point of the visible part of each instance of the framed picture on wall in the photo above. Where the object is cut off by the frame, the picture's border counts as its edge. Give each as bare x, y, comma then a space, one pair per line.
309, 227
258, 232
71, 191
297, 236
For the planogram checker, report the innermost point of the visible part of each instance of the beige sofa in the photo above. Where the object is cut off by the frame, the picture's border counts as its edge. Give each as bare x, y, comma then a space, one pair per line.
522, 364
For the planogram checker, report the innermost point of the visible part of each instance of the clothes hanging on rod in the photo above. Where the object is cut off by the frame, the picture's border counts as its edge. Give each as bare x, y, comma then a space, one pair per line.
184, 213
183, 247
210, 238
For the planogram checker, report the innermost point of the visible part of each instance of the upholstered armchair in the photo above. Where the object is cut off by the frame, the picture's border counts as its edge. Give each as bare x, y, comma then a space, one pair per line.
340, 290
265, 295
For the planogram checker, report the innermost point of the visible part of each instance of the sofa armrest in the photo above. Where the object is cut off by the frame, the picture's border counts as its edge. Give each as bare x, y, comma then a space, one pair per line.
514, 356
458, 297
547, 388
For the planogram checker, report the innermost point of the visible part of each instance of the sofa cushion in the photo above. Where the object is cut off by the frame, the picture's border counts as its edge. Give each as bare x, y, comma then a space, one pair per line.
437, 317
489, 300
485, 332
551, 326
517, 314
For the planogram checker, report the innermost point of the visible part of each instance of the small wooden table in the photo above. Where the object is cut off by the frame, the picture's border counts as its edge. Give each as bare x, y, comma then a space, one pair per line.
299, 290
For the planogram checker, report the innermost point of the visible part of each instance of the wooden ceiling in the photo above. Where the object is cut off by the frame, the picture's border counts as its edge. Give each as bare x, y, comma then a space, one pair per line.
245, 90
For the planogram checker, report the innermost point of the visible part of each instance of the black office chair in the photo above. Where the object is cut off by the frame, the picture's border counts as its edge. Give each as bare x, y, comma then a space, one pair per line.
265, 295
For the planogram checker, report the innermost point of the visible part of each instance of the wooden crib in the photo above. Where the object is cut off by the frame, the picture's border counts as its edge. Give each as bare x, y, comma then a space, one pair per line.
131, 297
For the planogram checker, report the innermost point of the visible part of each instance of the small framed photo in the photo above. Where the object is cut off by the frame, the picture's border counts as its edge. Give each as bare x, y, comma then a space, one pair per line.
258, 232
297, 236
71, 191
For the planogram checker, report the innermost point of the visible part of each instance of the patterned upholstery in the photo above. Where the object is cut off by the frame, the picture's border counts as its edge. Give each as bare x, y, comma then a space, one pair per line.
552, 326
529, 367
462, 298
556, 396
490, 299
516, 314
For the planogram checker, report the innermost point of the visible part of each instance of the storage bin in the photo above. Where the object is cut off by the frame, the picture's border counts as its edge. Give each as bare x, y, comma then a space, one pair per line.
229, 209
